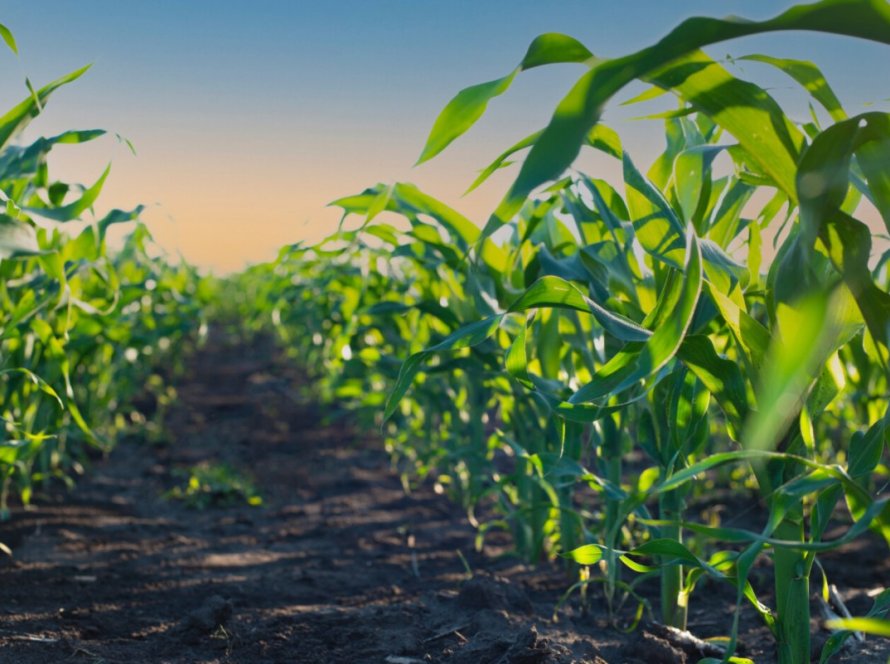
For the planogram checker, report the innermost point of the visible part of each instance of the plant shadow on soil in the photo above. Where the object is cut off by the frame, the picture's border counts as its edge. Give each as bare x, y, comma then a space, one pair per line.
339, 565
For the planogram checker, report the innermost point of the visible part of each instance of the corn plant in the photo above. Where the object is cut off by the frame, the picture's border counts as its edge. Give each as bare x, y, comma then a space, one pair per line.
775, 337
84, 328
575, 370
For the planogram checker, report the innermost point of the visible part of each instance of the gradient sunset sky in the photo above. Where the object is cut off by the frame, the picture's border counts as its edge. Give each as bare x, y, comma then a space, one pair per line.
248, 117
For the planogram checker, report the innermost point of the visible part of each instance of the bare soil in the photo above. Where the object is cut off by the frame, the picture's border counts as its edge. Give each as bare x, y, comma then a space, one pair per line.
338, 565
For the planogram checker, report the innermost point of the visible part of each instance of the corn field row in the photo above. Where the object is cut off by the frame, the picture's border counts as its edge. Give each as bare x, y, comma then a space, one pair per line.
583, 371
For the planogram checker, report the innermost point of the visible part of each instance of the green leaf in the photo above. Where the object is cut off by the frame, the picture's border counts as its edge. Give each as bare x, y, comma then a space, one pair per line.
582, 107
462, 112
656, 225
810, 77
741, 108
589, 554
75, 209
797, 352
866, 449
669, 548
601, 138
44, 387
501, 160
748, 331
822, 183
516, 360
408, 200
739, 535
17, 238
726, 223
467, 336
6, 35
638, 361
34, 95
117, 216
552, 291
874, 626
553, 48
692, 181
720, 376
16, 119
469, 104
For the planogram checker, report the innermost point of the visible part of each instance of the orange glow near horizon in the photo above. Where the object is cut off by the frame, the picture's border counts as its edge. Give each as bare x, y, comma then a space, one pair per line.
224, 211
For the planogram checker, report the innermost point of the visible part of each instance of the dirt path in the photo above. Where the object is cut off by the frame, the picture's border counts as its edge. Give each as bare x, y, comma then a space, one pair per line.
338, 565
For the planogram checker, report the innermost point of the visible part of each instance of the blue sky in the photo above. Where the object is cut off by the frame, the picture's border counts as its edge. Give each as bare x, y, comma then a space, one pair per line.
249, 116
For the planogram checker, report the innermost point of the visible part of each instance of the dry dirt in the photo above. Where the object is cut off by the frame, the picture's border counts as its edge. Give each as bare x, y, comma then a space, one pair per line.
338, 565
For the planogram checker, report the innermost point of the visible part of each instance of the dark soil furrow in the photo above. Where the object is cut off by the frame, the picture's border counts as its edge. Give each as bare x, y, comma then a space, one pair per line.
338, 565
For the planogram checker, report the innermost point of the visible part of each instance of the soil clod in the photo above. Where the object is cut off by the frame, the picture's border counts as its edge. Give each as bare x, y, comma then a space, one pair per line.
210, 616
493, 593
647, 648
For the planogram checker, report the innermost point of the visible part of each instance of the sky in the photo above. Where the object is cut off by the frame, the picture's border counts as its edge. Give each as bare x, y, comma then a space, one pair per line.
249, 116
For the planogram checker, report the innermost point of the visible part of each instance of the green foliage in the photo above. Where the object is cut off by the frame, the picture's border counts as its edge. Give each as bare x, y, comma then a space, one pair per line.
90, 338
215, 485
521, 370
